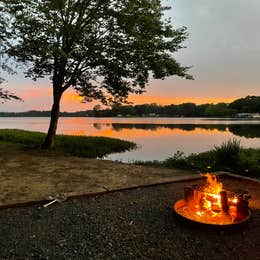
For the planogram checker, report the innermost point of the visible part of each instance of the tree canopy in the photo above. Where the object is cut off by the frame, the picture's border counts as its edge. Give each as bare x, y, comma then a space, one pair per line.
249, 104
7, 95
104, 49
4, 94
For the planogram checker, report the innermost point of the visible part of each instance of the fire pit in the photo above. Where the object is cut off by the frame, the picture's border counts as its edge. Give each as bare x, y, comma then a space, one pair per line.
211, 204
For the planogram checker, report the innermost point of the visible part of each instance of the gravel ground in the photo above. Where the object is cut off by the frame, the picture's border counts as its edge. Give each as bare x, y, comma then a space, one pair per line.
133, 224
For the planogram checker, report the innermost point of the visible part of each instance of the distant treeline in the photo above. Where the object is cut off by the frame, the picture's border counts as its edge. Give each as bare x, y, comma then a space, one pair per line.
35, 113
249, 104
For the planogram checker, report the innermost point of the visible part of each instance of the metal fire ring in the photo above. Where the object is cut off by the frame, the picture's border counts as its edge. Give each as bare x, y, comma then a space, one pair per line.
180, 203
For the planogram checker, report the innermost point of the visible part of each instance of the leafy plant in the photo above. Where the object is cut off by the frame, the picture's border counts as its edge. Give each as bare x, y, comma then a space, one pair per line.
227, 154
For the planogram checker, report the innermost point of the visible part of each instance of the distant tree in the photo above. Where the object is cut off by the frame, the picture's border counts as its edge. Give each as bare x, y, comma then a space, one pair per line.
170, 110
188, 109
96, 110
201, 109
249, 104
103, 49
218, 110
126, 110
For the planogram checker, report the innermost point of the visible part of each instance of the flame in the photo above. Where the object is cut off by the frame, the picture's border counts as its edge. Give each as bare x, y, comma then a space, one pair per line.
213, 185
208, 204
213, 204
212, 199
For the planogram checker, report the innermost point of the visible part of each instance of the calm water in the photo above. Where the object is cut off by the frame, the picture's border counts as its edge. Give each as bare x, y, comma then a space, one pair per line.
157, 138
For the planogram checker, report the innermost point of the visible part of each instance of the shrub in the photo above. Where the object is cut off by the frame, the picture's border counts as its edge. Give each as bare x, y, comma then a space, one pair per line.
227, 154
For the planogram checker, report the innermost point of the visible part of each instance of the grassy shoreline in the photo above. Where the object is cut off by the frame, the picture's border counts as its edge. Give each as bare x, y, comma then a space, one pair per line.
81, 146
229, 156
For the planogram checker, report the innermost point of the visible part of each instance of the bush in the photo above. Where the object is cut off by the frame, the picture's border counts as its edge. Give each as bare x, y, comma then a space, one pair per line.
227, 154
249, 162
178, 160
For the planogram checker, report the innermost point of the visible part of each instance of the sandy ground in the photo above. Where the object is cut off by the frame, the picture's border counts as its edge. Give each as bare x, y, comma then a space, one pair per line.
33, 176
132, 224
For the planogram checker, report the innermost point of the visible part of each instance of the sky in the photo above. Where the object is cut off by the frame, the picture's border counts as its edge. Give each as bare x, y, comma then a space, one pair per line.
223, 49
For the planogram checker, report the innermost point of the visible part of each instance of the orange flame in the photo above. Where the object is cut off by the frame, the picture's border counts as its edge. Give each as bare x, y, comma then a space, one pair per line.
209, 203
212, 204
213, 185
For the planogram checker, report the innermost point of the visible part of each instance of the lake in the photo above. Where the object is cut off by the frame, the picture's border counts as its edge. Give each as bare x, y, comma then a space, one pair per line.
157, 138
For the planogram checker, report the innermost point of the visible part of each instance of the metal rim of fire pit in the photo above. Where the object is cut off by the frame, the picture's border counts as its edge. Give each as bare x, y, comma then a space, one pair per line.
179, 203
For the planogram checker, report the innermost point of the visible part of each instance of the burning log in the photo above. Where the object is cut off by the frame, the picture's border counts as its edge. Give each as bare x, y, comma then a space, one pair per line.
212, 204
188, 194
224, 201
242, 208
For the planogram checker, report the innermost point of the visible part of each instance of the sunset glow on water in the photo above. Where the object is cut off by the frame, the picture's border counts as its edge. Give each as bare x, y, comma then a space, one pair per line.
157, 138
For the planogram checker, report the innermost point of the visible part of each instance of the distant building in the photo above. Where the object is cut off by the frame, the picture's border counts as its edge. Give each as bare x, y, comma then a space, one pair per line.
244, 115
256, 115
248, 115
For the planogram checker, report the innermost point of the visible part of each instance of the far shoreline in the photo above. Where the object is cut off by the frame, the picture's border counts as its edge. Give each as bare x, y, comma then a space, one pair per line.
139, 117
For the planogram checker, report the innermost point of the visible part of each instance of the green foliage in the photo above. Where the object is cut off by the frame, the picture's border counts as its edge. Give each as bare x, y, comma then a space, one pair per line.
249, 104
186, 109
229, 156
178, 159
218, 110
81, 146
104, 49
249, 161
6, 95
97, 46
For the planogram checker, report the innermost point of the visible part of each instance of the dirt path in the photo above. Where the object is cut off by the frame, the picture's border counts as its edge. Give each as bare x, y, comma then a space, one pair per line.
32, 176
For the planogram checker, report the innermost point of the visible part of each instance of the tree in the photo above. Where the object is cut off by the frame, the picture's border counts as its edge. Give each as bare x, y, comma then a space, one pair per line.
96, 110
188, 109
4, 94
104, 49
249, 104
219, 110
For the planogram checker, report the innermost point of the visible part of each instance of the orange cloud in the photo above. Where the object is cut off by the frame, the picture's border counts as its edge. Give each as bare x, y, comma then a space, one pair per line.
72, 96
166, 100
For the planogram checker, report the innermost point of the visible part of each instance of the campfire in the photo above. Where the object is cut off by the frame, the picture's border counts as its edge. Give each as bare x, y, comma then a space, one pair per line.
212, 204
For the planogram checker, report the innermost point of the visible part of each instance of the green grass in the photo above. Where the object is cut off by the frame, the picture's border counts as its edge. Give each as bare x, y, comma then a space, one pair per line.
82, 146
229, 156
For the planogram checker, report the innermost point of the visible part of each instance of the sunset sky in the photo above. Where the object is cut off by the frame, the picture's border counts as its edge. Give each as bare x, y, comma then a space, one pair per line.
223, 48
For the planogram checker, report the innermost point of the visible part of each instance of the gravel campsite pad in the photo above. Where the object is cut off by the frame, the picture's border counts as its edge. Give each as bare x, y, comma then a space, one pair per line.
130, 224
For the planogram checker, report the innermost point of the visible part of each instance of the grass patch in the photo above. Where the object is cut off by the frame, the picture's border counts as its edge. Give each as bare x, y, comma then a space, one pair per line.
229, 156
81, 146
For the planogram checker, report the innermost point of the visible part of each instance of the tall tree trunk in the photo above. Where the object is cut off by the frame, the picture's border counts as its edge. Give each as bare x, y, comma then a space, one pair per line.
55, 111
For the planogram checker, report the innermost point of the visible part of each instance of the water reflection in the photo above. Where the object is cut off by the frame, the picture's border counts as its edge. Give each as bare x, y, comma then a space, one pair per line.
157, 138
249, 131
159, 141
